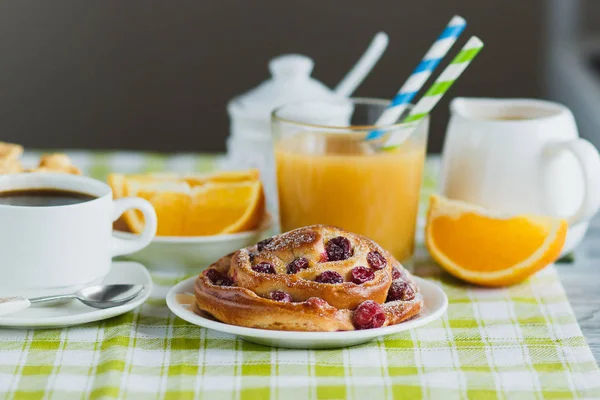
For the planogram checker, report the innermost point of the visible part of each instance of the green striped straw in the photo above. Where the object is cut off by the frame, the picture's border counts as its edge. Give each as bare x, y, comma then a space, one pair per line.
437, 90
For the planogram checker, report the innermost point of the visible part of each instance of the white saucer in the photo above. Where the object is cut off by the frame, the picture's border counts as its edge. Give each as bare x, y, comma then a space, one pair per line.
75, 312
436, 304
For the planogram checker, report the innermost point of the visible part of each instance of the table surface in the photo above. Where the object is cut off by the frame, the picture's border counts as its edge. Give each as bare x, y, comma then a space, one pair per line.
498, 343
580, 280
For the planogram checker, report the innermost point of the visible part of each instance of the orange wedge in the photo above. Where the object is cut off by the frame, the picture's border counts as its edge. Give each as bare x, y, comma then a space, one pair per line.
487, 248
225, 202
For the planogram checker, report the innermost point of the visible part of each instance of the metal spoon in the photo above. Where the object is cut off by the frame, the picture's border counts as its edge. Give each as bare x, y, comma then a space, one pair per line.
98, 296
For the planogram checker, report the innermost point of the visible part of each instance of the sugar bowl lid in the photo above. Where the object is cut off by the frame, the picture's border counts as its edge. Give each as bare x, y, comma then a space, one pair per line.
290, 82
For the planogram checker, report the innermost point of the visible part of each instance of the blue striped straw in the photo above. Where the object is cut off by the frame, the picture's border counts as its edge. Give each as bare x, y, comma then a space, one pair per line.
420, 75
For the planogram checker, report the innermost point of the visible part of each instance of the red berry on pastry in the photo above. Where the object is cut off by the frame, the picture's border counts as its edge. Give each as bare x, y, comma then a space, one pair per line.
368, 315
278, 295
362, 274
376, 260
297, 265
400, 290
261, 245
329, 277
338, 248
264, 268
217, 278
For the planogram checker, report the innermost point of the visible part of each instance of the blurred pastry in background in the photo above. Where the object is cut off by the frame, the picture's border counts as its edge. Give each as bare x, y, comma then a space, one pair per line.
56, 162
10, 161
10, 154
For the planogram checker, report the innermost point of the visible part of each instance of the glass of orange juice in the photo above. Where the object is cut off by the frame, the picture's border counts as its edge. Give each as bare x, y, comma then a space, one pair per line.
328, 173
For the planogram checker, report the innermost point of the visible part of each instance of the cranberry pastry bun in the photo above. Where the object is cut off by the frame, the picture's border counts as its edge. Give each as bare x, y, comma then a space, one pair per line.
316, 278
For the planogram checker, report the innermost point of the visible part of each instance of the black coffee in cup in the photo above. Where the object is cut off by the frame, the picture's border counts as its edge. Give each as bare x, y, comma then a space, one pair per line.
43, 197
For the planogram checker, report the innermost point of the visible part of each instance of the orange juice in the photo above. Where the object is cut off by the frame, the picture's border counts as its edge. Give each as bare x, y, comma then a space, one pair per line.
339, 180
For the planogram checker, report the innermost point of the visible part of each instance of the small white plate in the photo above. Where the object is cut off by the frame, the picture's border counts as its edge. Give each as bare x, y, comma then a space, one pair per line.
74, 312
191, 254
435, 299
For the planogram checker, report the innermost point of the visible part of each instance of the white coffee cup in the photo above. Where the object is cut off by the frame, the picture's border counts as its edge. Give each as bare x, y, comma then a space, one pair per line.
59, 249
520, 156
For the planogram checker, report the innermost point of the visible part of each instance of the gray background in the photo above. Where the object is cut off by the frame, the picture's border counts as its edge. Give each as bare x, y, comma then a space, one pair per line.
156, 75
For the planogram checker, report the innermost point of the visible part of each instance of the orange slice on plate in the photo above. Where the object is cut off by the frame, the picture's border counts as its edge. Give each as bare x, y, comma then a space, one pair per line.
490, 248
200, 205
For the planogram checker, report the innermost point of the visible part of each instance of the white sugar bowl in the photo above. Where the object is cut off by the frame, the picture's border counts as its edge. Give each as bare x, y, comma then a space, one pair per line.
290, 82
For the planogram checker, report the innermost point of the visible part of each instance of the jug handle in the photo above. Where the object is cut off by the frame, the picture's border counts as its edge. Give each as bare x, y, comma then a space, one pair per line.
589, 160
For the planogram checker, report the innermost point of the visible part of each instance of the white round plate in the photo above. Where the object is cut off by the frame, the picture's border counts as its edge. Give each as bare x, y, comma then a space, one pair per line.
435, 299
191, 254
74, 312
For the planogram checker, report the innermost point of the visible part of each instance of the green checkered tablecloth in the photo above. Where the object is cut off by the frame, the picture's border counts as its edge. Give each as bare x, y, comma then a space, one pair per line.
521, 342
